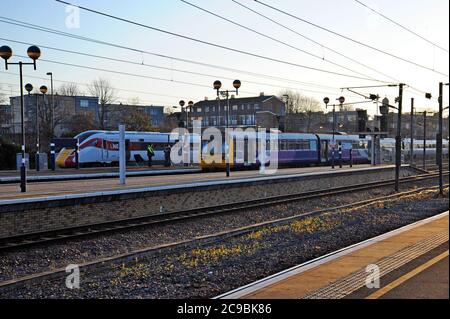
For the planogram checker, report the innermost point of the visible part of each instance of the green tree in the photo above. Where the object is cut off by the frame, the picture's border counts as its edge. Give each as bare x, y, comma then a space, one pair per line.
8, 153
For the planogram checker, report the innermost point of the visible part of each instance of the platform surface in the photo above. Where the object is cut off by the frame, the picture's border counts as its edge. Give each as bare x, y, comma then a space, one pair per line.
58, 188
412, 263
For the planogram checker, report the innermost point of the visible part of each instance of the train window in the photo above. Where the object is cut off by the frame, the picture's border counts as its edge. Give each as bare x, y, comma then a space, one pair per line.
303, 145
298, 145
282, 145
291, 145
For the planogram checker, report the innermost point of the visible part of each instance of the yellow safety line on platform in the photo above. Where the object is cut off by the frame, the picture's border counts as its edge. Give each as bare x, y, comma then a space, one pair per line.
381, 292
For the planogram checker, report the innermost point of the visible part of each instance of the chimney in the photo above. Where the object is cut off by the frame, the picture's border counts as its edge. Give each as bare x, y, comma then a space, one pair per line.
232, 96
261, 94
206, 98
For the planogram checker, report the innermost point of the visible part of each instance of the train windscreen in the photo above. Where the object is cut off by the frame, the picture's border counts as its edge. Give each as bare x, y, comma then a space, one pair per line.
83, 136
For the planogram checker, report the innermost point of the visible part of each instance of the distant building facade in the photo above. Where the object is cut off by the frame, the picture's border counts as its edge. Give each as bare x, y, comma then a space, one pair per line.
62, 111
262, 111
5, 120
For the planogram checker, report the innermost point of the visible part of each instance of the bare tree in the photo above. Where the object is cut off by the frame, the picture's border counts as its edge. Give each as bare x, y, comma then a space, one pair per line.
69, 89
298, 103
138, 121
106, 94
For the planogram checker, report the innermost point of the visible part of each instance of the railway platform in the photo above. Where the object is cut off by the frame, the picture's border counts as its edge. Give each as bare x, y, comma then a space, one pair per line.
11, 177
408, 263
69, 187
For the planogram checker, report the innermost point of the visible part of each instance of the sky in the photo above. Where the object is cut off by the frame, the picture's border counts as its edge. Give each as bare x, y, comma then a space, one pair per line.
156, 86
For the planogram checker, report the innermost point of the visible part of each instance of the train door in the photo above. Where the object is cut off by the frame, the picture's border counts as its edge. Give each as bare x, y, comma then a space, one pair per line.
127, 150
324, 144
246, 150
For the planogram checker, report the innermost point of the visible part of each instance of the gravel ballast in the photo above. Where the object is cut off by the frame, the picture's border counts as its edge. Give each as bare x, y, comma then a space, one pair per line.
208, 270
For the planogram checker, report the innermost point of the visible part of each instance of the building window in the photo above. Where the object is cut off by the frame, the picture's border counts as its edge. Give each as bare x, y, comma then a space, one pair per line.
235, 107
213, 109
199, 110
256, 106
206, 109
84, 103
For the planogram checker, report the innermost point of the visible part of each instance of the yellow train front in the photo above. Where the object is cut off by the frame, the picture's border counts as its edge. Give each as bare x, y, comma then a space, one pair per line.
212, 160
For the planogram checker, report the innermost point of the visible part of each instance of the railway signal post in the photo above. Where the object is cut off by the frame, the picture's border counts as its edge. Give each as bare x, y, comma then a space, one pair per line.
439, 145
398, 139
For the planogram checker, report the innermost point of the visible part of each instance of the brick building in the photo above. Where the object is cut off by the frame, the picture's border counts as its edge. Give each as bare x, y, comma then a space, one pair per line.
266, 111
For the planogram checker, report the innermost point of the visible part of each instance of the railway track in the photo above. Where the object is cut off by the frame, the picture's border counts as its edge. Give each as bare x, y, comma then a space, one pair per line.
27, 240
104, 262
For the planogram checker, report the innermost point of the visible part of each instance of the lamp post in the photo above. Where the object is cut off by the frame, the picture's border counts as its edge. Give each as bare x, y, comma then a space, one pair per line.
186, 109
226, 94
33, 53
43, 90
53, 103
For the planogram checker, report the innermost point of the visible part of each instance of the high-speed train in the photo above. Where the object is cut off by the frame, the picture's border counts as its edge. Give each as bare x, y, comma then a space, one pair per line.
102, 148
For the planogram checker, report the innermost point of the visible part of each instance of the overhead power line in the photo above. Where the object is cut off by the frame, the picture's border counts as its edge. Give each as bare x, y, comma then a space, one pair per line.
350, 39
322, 45
402, 26
214, 44
89, 85
158, 67
146, 76
275, 40
314, 41
144, 52
120, 100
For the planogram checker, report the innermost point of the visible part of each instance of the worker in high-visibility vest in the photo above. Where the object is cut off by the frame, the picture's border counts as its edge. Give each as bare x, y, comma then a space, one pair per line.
150, 154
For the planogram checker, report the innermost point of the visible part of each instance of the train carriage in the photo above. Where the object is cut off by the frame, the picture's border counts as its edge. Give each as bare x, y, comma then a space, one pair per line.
102, 148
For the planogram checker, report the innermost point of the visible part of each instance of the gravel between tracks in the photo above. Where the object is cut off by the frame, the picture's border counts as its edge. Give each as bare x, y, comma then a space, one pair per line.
210, 270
